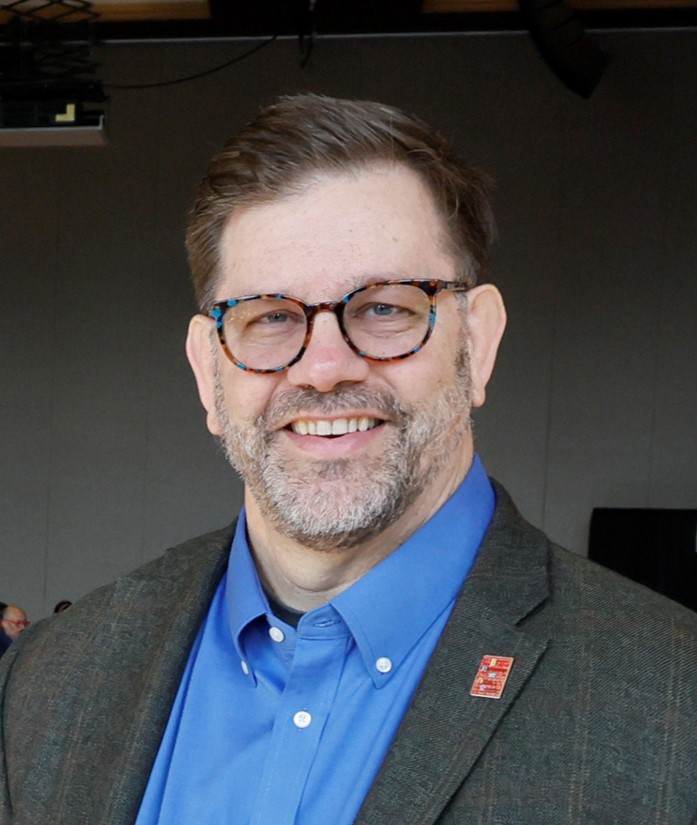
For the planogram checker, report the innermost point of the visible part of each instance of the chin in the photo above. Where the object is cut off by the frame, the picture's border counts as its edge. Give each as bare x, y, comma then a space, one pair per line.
336, 505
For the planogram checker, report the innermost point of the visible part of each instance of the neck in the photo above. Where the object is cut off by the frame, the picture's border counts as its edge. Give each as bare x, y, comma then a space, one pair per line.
303, 578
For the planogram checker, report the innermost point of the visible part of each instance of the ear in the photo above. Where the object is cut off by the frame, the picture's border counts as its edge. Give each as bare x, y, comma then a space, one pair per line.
486, 321
202, 355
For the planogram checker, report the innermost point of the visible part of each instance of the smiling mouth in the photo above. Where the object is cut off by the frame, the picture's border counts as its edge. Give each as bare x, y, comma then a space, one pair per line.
333, 427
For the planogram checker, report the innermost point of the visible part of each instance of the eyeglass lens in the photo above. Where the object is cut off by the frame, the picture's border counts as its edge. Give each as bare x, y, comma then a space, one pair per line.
382, 321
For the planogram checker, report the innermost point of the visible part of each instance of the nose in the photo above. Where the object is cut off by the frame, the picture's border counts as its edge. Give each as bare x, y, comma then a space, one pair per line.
328, 360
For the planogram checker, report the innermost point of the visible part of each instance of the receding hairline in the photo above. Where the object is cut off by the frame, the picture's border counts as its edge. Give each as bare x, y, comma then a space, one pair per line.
303, 138
13, 610
305, 184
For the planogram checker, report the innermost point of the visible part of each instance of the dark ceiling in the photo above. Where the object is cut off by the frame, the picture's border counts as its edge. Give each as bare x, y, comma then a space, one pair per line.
163, 19
44, 44
265, 18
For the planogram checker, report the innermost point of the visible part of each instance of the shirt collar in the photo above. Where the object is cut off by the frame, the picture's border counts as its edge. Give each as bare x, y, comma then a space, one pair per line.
390, 608
244, 595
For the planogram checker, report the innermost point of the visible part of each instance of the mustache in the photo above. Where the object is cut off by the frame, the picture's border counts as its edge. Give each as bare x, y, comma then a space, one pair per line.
301, 400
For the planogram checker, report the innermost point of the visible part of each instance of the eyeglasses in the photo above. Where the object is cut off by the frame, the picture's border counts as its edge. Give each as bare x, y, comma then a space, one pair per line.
18, 622
383, 321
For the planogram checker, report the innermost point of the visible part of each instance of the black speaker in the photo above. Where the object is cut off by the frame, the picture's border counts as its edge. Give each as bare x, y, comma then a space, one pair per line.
655, 547
570, 53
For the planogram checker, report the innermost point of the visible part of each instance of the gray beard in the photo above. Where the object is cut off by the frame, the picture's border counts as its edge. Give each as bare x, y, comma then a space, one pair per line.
332, 505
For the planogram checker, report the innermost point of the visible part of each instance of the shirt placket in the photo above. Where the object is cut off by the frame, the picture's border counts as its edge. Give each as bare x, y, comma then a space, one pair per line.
321, 647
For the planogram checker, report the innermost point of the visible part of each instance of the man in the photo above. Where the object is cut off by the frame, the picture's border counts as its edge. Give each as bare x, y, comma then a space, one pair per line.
381, 638
5, 640
13, 620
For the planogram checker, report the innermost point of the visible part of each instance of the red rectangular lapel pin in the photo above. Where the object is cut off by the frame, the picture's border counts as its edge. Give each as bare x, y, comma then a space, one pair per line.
491, 676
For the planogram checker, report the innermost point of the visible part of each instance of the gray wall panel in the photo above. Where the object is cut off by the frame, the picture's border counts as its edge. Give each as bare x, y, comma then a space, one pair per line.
106, 459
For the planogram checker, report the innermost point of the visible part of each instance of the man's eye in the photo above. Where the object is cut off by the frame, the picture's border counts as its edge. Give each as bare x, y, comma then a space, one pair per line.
276, 320
277, 317
382, 311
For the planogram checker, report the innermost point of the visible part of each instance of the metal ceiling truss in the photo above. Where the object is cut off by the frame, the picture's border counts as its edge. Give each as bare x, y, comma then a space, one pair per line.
46, 40
47, 70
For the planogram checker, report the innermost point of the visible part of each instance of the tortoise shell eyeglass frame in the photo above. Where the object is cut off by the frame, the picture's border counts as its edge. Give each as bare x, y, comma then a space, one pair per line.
430, 286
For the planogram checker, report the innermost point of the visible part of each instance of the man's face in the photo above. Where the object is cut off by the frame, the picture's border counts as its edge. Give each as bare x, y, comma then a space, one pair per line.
14, 621
413, 437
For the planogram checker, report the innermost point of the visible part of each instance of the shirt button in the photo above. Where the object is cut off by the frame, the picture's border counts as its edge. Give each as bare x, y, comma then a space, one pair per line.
302, 719
245, 667
277, 634
383, 664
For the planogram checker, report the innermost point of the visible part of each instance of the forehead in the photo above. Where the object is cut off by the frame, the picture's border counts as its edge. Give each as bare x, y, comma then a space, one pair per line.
340, 232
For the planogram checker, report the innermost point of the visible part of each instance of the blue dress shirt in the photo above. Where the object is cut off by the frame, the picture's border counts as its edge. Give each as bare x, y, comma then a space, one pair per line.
274, 725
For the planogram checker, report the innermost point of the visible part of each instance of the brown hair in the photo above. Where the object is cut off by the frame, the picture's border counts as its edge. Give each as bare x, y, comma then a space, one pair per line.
302, 136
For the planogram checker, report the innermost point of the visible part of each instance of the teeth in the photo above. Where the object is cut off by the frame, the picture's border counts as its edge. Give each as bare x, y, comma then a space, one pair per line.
340, 426
337, 426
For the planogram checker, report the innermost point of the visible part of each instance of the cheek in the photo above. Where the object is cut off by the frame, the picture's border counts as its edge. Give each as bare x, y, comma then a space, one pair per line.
441, 371
414, 380
247, 395
437, 365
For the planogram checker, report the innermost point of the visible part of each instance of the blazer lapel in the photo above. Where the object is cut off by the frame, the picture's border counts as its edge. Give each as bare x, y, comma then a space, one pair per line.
173, 606
117, 657
446, 729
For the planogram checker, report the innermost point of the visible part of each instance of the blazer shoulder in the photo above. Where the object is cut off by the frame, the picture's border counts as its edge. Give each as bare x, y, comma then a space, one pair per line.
586, 586
183, 575
202, 551
86, 693
577, 585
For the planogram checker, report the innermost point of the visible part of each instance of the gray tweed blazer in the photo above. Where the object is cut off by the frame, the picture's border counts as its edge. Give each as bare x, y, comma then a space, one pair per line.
596, 725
